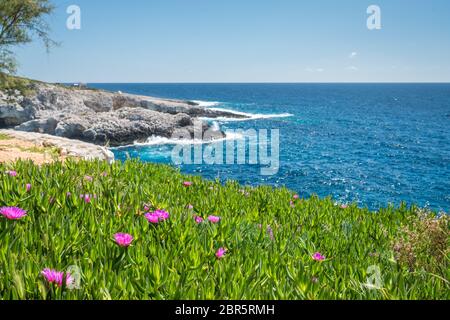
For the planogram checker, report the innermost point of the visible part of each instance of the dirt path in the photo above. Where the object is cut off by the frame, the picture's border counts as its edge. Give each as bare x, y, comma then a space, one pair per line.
12, 149
42, 148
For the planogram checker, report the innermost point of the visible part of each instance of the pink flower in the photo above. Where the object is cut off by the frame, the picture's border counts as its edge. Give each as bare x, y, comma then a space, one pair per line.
57, 277
28, 186
88, 178
146, 208
69, 280
292, 204
104, 174
157, 216
296, 197
187, 183
198, 219
344, 206
213, 219
68, 194
220, 253
163, 215
123, 239
190, 207
318, 256
152, 218
12, 173
86, 197
13, 213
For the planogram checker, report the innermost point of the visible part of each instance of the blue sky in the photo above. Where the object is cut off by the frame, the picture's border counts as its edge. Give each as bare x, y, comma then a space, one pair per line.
245, 41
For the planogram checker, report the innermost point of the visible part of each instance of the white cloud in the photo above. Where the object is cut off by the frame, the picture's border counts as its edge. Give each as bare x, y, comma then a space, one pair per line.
353, 55
352, 68
315, 70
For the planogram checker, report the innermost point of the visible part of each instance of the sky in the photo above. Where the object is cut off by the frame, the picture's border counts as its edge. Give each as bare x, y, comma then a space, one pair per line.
173, 41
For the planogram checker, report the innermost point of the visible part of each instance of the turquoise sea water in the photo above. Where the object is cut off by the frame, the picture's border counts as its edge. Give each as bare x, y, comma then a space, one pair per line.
372, 144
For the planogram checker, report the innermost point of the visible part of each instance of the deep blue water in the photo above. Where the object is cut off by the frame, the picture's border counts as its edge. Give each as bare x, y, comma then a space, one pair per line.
372, 144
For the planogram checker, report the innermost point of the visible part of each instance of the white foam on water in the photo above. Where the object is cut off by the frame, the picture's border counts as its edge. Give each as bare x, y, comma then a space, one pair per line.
159, 141
248, 116
206, 104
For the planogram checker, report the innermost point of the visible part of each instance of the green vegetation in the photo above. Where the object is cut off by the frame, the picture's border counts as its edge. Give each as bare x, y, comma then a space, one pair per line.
4, 137
11, 84
20, 22
367, 254
52, 151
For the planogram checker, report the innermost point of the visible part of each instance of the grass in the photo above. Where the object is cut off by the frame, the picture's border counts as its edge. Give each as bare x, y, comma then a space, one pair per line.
4, 137
175, 259
52, 151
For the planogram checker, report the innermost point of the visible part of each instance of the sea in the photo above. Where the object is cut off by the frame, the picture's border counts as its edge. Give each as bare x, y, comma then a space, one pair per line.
371, 144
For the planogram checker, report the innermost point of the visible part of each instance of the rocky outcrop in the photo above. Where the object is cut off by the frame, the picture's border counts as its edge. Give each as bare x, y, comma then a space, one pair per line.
100, 117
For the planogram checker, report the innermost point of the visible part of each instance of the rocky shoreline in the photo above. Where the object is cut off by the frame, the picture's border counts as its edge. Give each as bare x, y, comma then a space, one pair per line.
100, 117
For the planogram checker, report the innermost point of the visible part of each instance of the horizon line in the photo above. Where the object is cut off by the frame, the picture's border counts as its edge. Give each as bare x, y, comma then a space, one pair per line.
261, 82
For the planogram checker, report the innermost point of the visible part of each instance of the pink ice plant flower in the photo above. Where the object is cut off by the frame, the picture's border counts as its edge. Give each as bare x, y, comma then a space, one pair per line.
157, 216
88, 178
57, 277
344, 206
87, 197
152, 218
198, 219
163, 215
318, 256
187, 183
13, 213
11, 173
123, 239
221, 253
213, 219
296, 197
28, 187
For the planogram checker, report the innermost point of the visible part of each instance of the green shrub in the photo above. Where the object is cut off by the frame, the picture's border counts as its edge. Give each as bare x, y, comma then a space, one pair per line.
424, 243
11, 84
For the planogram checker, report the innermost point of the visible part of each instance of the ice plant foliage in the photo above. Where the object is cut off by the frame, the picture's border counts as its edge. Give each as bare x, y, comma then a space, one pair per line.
120, 267
13, 213
57, 277
123, 239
